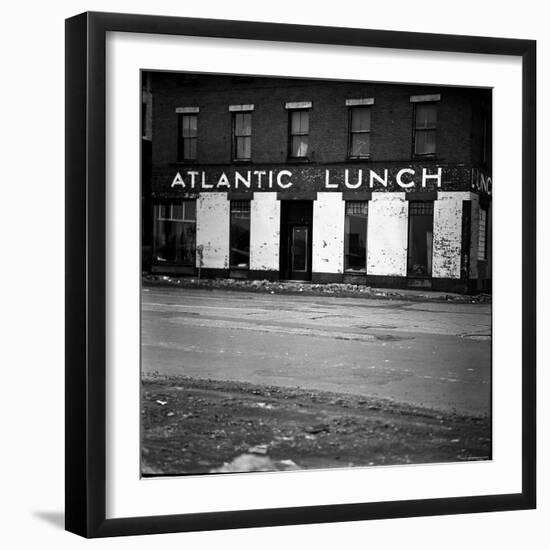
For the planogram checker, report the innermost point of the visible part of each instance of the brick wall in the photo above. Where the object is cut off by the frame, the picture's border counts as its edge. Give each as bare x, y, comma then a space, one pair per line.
391, 118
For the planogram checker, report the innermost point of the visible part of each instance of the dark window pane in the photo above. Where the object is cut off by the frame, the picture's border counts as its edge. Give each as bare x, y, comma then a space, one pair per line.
299, 249
304, 122
243, 133
189, 126
299, 146
357, 207
243, 148
424, 142
190, 210
360, 145
162, 211
177, 211
190, 148
420, 239
360, 119
243, 124
174, 240
299, 122
355, 237
426, 115
247, 147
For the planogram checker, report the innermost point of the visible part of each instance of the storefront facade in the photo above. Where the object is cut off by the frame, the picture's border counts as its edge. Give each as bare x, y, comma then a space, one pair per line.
376, 184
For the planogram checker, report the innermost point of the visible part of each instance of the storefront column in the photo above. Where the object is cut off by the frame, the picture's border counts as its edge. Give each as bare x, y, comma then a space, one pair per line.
213, 230
474, 243
265, 224
447, 237
328, 233
387, 235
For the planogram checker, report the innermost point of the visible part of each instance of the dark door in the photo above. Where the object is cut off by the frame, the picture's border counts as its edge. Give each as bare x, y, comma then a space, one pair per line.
420, 249
299, 252
296, 219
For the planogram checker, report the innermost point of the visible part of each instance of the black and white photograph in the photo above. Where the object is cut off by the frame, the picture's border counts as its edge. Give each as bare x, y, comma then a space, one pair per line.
316, 273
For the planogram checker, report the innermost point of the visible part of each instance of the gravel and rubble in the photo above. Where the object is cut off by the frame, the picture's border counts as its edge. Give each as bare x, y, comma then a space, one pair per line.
306, 288
196, 426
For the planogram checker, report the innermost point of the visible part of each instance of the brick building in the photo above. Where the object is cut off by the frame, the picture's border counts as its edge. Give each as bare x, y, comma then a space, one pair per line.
324, 181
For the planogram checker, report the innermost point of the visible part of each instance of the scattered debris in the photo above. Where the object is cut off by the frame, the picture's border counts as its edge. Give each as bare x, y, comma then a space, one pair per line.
293, 287
258, 450
254, 463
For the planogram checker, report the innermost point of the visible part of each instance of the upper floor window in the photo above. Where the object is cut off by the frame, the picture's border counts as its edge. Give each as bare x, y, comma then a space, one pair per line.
242, 136
298, 146
425, 123
359, 132
187, 133
425, 126
299, 134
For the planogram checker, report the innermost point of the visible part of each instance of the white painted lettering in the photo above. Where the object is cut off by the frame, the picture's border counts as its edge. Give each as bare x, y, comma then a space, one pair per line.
223, 181
259, 174
178, 180
426, 176
280, 176
329, 185
240, 179
193, 176
375, 176
353, 185
399, 178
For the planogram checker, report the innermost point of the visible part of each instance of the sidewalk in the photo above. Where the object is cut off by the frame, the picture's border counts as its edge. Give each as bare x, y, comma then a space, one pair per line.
308, 288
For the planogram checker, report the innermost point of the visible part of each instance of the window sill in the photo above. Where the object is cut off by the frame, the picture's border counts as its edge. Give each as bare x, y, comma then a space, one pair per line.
298, 160
427, 156
359, 159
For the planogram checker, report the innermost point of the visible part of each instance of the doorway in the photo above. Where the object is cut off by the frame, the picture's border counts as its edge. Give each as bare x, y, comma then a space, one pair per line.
420, 249
296, 226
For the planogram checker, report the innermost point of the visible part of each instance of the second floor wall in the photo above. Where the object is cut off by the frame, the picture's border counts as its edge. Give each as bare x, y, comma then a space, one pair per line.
461, 129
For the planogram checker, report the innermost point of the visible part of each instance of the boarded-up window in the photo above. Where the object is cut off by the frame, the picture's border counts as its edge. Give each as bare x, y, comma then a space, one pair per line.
482, 240
242, 136
239, 234
299, 133
425, 124
355, 236
174, 232
359, 138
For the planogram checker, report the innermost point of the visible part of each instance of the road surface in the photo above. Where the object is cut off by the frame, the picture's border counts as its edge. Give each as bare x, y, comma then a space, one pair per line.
429, 354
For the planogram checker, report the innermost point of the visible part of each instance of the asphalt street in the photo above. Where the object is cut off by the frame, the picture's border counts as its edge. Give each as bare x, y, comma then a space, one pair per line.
423, 353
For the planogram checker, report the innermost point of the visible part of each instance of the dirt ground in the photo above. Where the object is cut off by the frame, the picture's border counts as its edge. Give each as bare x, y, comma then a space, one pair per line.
192, 426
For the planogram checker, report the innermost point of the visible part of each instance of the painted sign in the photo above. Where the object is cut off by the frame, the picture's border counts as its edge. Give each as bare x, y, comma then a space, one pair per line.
481, 182
405, 178
409, 177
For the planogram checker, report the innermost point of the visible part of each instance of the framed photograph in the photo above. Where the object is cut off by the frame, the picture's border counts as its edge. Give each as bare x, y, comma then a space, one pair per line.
300, 274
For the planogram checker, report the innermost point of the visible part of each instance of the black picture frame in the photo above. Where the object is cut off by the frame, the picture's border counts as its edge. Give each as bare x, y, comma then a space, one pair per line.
86, 264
